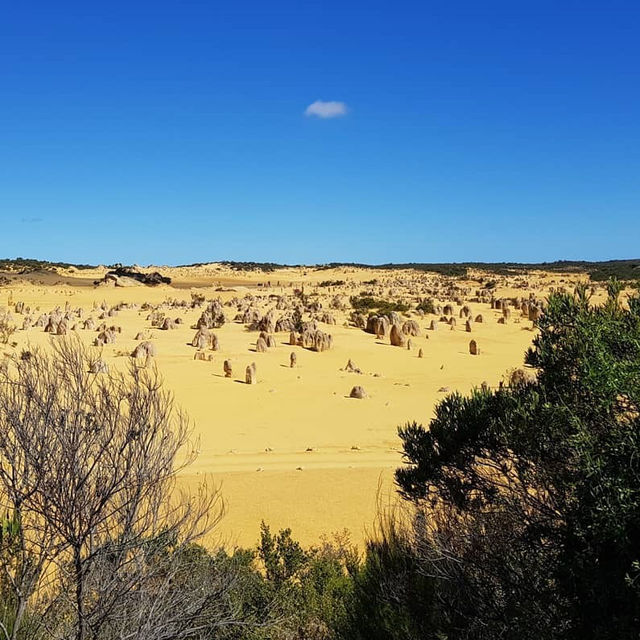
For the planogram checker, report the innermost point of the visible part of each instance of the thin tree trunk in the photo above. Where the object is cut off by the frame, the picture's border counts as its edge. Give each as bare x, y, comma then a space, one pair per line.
20, 609
80, 632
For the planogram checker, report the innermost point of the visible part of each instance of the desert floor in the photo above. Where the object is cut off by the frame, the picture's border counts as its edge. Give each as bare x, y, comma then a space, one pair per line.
294, 449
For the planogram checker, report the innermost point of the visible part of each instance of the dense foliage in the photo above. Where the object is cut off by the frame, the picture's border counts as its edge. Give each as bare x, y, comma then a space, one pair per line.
528, 497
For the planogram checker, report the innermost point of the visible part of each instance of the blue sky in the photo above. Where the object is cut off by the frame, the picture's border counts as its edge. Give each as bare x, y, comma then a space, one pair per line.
175, 132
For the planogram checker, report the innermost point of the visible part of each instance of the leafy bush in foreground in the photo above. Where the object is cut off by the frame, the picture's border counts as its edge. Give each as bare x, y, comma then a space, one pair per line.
528, 498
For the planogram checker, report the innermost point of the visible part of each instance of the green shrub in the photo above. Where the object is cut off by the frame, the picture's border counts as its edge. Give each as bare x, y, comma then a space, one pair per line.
427, 306
365, 302
531, 493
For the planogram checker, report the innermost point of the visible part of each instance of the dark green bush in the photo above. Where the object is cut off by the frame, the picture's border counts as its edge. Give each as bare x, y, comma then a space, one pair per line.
365, 302
427, 306
530, 495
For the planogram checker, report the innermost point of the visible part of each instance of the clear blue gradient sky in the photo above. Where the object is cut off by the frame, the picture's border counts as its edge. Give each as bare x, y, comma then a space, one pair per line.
175, 132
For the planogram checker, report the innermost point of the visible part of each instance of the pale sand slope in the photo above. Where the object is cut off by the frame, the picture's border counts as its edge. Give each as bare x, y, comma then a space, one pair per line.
254, 439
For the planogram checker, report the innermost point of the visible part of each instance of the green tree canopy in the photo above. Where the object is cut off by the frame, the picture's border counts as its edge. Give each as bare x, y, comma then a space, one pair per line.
528, 512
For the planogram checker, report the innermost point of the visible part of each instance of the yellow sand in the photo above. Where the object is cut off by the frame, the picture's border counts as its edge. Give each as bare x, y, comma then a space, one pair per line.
294, 449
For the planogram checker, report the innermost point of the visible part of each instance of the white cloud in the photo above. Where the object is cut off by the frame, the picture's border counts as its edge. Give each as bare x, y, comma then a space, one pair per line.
322, 109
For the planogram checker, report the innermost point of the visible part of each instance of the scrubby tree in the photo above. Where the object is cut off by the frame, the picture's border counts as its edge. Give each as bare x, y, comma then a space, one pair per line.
291, 593
97, 542
527, 498
391, 597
